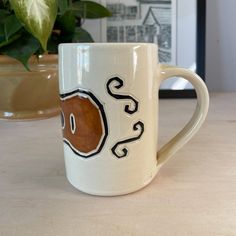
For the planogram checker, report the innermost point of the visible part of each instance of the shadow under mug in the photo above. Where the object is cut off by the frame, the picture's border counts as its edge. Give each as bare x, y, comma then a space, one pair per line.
109, 111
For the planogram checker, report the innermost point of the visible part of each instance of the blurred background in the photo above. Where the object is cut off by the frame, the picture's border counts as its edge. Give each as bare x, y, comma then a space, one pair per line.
221, 45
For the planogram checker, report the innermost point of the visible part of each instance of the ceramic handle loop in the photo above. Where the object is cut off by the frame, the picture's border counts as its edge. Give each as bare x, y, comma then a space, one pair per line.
198, 117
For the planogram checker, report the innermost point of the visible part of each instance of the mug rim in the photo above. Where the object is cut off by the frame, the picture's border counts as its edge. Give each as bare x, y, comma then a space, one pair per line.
108, 44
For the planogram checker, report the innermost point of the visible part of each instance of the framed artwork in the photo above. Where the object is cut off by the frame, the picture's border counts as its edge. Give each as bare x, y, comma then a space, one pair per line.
143, 21
176, 26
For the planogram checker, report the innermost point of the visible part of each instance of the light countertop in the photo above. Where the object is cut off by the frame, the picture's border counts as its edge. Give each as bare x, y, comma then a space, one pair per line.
193, 194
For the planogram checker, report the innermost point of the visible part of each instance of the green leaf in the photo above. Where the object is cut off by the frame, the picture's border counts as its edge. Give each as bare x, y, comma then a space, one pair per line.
67, 22
11, 26
9, 30
89, 9
4, 2
82, 36
22, 49
3, 14
1, 4
66, 37
62, 5
2, 33
4, 42
38, 17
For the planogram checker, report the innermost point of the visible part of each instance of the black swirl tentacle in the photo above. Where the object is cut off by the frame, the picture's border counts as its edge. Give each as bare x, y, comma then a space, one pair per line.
119, 84
124, 151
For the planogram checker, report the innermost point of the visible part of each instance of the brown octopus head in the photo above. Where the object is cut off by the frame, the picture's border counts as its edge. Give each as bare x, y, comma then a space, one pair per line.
84, 122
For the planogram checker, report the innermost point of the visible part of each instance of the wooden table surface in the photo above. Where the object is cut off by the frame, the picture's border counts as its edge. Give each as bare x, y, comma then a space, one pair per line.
193, 194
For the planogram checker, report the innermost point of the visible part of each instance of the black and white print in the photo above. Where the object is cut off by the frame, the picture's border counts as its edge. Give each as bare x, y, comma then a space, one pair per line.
151, 21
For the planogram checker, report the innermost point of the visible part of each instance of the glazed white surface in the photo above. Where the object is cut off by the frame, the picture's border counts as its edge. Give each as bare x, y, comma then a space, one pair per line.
90, 67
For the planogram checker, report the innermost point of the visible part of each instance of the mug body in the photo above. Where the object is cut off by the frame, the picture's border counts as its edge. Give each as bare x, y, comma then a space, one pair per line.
109, 115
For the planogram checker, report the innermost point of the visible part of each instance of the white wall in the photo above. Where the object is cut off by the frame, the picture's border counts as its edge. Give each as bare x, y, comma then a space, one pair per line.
221, 45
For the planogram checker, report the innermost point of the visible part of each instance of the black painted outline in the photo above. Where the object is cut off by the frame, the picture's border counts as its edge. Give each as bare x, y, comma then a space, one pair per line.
100, 106
118, 96
136, 126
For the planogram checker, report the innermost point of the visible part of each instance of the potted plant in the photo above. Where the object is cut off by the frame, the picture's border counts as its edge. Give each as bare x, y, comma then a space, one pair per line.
30, 31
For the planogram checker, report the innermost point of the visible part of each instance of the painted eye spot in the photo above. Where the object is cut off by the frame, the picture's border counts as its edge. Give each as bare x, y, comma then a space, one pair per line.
72, 123
62, 120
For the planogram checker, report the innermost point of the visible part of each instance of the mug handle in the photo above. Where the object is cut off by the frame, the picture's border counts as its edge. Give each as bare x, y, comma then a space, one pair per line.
198, 117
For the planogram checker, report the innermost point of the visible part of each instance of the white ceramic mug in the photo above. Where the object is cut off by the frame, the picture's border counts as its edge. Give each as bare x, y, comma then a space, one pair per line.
109, 107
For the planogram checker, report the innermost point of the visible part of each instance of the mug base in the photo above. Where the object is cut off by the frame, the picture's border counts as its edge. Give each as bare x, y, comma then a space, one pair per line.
114, 193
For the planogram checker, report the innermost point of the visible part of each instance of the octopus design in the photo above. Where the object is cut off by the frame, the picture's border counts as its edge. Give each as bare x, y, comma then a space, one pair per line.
84, 122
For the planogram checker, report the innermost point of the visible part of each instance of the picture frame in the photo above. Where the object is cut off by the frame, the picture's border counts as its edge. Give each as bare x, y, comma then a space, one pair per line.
180, 34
